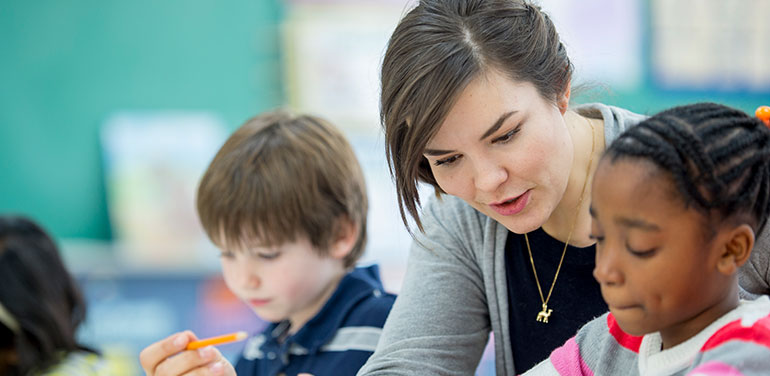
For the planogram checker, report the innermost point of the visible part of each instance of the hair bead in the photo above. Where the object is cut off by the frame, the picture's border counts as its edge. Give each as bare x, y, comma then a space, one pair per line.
763, 113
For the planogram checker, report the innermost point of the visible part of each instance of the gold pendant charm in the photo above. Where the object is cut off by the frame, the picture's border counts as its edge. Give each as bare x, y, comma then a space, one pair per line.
544, 314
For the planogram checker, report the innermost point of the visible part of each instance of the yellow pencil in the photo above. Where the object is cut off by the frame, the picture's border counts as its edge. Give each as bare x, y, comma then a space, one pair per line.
218, 340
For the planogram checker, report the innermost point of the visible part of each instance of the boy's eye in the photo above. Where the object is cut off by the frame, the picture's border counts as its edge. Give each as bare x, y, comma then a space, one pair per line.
226, 255
507, 137
448, 160
269, 256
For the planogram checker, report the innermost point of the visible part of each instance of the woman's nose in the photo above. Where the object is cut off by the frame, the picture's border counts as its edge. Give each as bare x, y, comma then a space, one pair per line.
489, 175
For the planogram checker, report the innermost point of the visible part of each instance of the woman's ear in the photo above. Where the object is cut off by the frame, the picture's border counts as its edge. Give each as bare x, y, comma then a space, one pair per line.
563, 101
736, 250
347, 235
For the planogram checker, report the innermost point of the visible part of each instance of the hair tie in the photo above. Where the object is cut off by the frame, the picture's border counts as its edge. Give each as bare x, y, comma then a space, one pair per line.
763, 113
8, 320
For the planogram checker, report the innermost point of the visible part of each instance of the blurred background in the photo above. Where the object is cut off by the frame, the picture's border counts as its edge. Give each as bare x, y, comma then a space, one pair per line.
111, 110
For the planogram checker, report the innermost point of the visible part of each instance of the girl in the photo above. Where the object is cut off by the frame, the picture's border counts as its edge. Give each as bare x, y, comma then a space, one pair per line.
474, 103
676, 204
41, 307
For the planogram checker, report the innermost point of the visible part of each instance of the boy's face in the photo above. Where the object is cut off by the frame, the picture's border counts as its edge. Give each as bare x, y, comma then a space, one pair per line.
656, 268
291, 281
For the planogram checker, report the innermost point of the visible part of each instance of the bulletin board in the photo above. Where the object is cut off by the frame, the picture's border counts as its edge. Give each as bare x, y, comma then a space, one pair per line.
710, 45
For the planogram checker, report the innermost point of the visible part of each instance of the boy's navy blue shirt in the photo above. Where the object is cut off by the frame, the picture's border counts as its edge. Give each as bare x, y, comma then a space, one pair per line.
337, 341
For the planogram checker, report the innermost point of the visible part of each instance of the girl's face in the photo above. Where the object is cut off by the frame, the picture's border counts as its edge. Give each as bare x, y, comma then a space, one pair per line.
655, 261
504, 150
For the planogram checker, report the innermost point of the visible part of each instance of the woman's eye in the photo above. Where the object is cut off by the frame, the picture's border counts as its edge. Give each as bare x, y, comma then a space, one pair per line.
227, 255
507, 137
448, 160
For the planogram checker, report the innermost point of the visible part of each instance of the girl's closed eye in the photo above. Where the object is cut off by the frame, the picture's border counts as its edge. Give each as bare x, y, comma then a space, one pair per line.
641, 252
599, 238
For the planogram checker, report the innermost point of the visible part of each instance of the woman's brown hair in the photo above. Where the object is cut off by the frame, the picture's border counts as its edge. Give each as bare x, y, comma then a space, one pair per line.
435, 51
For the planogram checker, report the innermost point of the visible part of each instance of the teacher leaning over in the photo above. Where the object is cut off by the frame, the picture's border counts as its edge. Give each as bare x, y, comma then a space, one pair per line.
474, 102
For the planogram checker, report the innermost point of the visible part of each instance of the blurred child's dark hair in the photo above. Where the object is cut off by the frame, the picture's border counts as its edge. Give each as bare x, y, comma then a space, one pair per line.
718, 157
44, 303
280, 176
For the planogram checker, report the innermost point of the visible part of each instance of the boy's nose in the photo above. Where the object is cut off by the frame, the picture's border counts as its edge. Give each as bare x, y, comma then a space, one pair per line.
247, 276
252, 281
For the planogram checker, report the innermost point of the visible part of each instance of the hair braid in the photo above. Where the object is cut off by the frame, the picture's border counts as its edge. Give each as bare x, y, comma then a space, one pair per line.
718, 156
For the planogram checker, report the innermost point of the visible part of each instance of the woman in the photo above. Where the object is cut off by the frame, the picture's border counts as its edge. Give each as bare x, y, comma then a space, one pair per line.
474, 102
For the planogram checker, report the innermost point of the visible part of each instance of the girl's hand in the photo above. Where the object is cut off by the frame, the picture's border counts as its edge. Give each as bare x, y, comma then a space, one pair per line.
168, 357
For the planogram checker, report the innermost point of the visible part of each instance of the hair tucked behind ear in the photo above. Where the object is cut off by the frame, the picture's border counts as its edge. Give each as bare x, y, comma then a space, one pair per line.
718, 156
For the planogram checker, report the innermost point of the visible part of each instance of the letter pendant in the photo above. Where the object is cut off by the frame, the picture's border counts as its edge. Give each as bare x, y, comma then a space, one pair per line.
544, 314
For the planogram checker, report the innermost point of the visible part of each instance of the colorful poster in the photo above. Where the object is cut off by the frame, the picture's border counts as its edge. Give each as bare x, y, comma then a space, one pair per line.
153, 161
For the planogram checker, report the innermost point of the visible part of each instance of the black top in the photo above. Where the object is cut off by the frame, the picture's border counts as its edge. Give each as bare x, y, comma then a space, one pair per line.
576, 298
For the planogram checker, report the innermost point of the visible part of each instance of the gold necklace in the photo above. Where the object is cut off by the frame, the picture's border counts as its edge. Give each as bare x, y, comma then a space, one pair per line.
545, 313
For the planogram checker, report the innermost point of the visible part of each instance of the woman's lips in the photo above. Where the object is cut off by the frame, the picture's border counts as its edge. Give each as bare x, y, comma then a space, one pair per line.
513, 206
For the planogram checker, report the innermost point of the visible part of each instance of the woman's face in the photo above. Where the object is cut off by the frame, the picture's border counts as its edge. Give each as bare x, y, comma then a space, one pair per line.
504, 150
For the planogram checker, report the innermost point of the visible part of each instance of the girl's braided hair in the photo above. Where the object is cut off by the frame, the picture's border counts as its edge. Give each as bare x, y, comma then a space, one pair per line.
718, 156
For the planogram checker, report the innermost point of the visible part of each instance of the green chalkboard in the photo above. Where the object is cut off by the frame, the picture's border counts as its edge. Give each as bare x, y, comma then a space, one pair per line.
65, 66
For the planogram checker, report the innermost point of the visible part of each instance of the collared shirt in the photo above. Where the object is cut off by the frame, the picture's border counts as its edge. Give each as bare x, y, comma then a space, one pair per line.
337, 341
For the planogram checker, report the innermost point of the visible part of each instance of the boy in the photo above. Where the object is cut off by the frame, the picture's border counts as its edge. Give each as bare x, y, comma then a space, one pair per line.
285, 201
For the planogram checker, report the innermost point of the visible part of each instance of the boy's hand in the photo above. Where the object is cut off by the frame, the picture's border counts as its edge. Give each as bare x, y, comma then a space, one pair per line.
168, 357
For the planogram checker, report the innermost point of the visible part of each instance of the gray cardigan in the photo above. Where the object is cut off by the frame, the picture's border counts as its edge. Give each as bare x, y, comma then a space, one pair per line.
454, 291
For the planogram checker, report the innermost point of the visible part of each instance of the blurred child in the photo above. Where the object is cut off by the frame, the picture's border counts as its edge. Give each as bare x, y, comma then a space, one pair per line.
676, 203
285, 201
41, 307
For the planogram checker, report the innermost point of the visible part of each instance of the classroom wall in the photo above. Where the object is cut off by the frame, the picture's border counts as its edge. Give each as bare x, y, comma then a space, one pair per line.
65, 66
723, 42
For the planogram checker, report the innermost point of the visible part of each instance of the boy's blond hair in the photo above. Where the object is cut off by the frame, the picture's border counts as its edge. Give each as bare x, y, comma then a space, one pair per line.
280, 176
